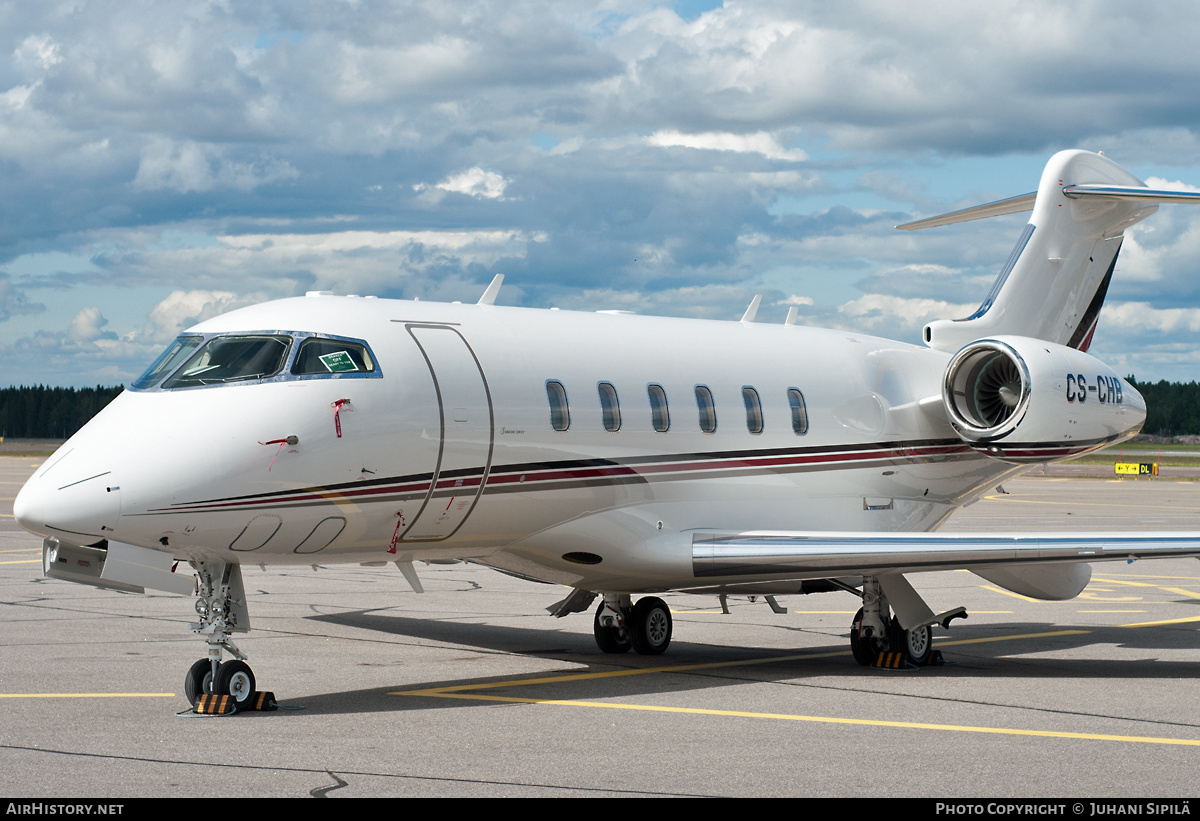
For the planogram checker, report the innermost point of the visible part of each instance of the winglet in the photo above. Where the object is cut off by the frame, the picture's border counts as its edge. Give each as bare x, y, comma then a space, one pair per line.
489, 296
753, 309
793, 316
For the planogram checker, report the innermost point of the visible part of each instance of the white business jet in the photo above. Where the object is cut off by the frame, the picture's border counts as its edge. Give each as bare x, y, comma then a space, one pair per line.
618, 455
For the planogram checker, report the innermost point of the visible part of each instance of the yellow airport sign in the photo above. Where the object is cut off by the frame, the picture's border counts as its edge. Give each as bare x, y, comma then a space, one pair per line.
1136, 469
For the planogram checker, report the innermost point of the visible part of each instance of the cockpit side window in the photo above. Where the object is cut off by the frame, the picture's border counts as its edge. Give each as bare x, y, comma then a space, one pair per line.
318, 355
168, 361
227, 359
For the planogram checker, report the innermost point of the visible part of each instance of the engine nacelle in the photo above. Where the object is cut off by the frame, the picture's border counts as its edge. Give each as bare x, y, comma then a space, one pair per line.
1028, 400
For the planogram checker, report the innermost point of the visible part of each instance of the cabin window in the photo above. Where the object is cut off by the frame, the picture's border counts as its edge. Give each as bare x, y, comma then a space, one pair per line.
610, 409
754, 414
708, 410
660, 415
226, 359
560, 411
799, 411
322, 356
168, 361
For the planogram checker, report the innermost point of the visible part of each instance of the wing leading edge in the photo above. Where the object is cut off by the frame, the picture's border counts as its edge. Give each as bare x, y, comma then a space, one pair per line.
828, 555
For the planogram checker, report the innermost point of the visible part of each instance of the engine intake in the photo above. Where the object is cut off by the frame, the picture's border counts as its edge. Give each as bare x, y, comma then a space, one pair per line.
1028, 400
987, 389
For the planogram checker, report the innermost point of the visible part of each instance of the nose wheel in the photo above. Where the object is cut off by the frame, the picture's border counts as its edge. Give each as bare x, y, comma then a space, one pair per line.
198, 681
234, 678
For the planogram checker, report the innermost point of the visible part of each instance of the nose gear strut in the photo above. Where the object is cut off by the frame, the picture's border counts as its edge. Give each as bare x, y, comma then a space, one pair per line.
222, 610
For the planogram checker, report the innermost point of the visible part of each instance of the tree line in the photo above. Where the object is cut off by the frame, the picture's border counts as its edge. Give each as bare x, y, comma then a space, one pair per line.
1172, 408
41, 412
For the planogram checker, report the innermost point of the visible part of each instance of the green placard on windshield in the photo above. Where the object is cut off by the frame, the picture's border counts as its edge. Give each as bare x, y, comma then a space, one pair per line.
338, 362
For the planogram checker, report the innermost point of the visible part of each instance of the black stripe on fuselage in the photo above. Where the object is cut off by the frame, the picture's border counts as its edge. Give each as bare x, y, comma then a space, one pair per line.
523, 476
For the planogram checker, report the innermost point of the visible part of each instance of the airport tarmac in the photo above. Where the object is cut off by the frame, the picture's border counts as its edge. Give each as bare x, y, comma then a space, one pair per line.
471, 689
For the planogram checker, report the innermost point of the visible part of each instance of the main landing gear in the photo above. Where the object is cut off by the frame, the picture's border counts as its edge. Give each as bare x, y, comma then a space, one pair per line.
222, 610
620, 625
878, 640
914, 647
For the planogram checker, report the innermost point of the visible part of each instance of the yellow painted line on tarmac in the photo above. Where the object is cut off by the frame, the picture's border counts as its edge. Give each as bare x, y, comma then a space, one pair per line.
460, 692
1007, 593
640, 671
1178, 591
1187, 620
87, 695
1051, 634
1008, 497
1107, 580
1152, 576
24, 561
860, 722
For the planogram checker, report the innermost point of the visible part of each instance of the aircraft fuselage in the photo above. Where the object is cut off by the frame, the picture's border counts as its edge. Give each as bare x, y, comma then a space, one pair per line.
449, 449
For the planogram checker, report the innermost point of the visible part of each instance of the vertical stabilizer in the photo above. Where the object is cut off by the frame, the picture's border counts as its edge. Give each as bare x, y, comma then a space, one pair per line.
1054, 283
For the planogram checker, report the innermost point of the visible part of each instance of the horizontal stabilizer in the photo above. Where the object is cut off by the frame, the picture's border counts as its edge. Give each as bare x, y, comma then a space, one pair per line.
1130, 192
1012, 205
1024, 202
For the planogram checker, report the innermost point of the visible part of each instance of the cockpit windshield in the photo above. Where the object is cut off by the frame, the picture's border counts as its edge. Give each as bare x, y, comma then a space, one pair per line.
204, 360
168, 361
233, 359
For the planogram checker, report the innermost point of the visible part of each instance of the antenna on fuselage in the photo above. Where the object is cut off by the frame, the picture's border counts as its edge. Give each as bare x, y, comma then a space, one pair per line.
793, 316
489, 295
753, 309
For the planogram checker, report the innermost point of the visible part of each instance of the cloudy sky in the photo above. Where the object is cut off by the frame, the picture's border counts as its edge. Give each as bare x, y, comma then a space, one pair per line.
162, 162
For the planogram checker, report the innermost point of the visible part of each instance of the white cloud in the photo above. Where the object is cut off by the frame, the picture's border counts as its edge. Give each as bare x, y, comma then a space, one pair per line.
872, 311
1141, 316
87, 325
1170, 185
757, 143
293, 246
474, 182
38, 53
182, 309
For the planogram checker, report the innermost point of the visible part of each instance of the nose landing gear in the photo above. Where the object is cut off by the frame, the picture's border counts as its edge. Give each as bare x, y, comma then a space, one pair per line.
222, 610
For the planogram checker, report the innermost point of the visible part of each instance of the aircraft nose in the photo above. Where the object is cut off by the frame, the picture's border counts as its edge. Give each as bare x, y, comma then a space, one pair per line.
76, 500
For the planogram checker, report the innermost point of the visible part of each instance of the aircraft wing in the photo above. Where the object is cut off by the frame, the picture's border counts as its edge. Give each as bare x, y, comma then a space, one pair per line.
1047, 566
827, 555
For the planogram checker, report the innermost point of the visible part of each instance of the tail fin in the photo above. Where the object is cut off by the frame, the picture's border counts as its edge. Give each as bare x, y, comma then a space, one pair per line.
1054, 282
